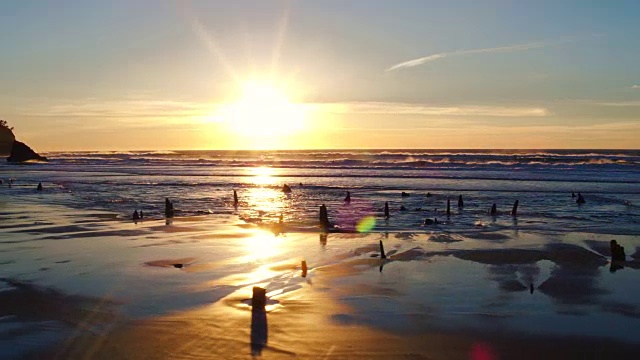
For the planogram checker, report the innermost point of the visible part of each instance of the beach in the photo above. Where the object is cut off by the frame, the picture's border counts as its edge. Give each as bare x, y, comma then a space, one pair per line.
80, 279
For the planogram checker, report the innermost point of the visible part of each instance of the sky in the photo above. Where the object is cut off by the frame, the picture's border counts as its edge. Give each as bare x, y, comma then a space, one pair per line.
167, 74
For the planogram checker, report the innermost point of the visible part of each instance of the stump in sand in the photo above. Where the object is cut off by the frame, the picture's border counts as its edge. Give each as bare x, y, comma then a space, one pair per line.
259, 299
382, 254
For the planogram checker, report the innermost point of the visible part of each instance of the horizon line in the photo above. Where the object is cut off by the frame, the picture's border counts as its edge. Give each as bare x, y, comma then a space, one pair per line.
352, 149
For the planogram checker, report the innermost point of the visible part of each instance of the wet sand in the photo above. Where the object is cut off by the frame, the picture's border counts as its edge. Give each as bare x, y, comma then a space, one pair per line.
91, 285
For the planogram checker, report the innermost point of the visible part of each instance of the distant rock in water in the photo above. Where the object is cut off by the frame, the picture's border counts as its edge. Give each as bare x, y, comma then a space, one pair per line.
20, 152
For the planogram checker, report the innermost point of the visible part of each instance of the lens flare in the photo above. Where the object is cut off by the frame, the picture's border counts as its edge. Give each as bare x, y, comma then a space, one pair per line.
366, 224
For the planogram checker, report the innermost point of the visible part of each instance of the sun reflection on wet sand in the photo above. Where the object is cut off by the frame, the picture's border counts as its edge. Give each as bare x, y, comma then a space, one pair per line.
261, 247
266, 201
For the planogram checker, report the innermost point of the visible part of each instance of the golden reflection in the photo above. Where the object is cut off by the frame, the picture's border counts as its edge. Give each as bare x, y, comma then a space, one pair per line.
267, 202
263, 175
261, 247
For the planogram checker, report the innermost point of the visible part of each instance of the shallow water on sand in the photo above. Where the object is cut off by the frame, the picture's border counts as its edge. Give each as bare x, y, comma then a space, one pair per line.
87, 283
79, 279
202, 183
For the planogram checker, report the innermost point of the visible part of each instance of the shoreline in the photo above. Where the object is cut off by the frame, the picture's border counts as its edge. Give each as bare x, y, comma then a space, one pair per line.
114, 286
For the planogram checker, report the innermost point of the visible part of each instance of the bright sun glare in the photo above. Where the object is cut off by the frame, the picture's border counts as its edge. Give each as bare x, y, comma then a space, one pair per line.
264, 110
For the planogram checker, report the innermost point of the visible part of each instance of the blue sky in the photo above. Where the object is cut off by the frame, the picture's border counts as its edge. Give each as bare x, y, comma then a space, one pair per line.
543, 74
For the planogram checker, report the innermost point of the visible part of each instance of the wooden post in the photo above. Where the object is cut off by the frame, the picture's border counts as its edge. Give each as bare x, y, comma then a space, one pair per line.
235, 198
494, 209
460, 202
382, 254
259, 299
514, 211
386, 210
448, 207
304, 268
324, 217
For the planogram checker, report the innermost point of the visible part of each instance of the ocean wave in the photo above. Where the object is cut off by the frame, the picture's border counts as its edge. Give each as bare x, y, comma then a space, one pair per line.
360, 159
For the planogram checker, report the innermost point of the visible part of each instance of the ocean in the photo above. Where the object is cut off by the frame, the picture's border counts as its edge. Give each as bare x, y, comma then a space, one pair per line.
202, 183
79, 279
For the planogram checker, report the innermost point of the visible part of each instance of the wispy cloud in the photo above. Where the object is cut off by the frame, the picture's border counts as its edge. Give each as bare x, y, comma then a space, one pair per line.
141, 108
631, 103
124, 108
394, 108
434, 57
635, 86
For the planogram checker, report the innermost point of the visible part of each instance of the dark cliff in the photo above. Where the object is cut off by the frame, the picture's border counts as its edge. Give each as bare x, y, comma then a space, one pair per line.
6, 140
20, 152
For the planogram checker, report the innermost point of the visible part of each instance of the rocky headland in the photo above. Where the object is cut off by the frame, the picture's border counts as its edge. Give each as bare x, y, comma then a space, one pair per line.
17, 151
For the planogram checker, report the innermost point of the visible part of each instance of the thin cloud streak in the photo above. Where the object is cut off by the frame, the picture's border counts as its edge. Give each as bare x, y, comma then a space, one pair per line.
632, 103
174, 109
392, 108
501, 49
128, 108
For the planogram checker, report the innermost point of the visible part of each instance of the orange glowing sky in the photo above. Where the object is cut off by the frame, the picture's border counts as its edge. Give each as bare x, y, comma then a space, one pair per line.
126, 75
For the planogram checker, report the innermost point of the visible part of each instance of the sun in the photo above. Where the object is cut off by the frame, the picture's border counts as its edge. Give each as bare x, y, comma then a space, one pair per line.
263, 110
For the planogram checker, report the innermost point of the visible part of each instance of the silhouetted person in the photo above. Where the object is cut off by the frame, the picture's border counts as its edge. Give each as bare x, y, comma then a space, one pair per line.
405, 194
494, 209
428, 194
402, 208
286, 189
281, 219
141, 215
448, 207
39, 188
580, 199
428, 221
531, 288
514, 211
235, 199
460, 202
347, 198
573, 194
617, 251
386, 210
135, 216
